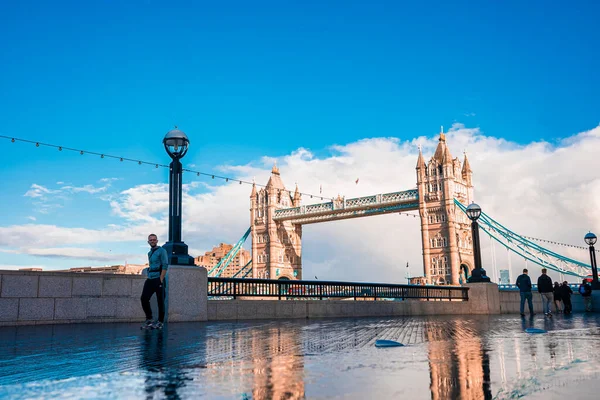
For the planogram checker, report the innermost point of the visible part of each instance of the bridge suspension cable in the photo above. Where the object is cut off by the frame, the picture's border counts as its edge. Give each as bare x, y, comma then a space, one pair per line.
222, 265
527, 249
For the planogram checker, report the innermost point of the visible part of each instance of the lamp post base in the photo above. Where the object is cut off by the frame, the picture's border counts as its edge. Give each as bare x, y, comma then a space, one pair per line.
478, 275
178, 253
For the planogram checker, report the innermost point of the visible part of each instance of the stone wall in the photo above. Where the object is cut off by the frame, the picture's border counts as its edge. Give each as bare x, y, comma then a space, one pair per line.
31, 298
510, 302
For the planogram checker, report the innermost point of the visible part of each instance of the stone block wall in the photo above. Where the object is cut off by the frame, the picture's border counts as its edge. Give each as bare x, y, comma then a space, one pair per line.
33, 297
510, 302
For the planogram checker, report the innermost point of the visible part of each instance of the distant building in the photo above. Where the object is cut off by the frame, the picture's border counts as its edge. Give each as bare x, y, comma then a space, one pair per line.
417, 280
30, 269
504, 277
212, 258
131, 269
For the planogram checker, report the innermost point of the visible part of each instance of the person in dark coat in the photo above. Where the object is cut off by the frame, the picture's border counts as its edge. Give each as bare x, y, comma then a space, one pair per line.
565, 293
585, 289
544, 285
524, 285
558, 298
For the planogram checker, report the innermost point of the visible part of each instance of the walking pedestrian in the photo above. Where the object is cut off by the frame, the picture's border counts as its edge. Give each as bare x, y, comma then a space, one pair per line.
524, 285
158, 263
546, 290
558, 298
566, 292
585, 289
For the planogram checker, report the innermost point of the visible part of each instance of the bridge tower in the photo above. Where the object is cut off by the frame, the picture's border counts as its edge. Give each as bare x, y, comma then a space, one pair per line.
445, 230
276, 246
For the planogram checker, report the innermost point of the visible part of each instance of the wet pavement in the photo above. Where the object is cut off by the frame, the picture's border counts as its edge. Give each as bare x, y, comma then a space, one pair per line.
444, 358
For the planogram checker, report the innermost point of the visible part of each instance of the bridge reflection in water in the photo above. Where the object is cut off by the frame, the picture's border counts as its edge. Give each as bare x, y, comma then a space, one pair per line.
445, 358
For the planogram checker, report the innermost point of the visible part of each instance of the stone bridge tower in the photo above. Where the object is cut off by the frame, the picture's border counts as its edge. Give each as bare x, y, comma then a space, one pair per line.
445, 229
276, 246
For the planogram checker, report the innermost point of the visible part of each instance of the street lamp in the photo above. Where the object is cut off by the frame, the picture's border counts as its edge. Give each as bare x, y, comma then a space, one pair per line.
478, 273
591, 239
176, 144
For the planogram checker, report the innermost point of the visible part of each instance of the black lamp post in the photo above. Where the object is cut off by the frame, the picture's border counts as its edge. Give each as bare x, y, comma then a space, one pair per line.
478, 273
176, 144
591, 239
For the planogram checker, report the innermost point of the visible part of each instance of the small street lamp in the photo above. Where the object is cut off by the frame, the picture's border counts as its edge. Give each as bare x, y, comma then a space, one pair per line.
478, 273
591, 239
176, 144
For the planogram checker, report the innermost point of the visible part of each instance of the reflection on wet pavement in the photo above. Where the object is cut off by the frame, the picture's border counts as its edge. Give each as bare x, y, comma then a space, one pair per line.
445, 358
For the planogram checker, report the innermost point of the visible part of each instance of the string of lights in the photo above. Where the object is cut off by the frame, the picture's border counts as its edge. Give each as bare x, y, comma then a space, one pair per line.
215, 176
156, 165
558, 243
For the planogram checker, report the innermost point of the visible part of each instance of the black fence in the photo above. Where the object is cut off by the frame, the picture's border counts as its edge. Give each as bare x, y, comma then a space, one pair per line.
235, 287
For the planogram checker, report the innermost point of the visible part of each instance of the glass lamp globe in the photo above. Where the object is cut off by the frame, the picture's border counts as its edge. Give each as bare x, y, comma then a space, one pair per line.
590, 239
176, 143
473, 211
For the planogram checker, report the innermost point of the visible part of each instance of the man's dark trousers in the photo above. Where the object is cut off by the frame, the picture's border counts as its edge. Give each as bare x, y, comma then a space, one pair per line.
152, 286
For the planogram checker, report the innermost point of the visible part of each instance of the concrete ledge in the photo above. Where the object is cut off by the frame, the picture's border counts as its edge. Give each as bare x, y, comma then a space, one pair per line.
19, 285
9, 309
36, 309
116, 286
187, 294
55, 286
70, 309
225, 310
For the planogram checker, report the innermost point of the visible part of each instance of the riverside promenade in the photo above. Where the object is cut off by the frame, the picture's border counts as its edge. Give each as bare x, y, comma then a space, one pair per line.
445, 357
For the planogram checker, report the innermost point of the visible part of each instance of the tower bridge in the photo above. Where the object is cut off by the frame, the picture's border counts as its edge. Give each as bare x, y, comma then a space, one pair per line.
277, 216
444, 190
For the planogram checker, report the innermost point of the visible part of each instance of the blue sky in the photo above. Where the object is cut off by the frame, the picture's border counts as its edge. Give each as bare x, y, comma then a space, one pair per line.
248, 80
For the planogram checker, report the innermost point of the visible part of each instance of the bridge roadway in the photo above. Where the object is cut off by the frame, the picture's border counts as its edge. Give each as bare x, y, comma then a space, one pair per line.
342, 208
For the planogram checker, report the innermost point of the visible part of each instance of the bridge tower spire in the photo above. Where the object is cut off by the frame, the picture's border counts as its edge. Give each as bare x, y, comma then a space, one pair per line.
276, 246
445, 233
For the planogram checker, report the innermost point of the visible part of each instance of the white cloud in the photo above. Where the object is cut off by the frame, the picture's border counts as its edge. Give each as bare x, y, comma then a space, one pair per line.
32, 218
91, 189
39, 191
538, 189
47, 200
77, 253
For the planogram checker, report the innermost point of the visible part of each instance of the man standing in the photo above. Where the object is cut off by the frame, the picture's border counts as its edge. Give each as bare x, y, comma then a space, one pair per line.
544, 285
585, 290
524, 285
158, 263
566, 297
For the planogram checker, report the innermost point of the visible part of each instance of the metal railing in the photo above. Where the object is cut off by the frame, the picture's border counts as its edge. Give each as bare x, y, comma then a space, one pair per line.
503, 287
234, 287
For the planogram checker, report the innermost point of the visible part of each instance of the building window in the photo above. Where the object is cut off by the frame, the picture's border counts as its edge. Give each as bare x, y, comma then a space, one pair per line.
443, 217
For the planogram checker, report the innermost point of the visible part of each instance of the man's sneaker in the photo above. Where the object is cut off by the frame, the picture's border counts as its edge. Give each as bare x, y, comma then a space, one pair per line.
147, 325
157, 325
